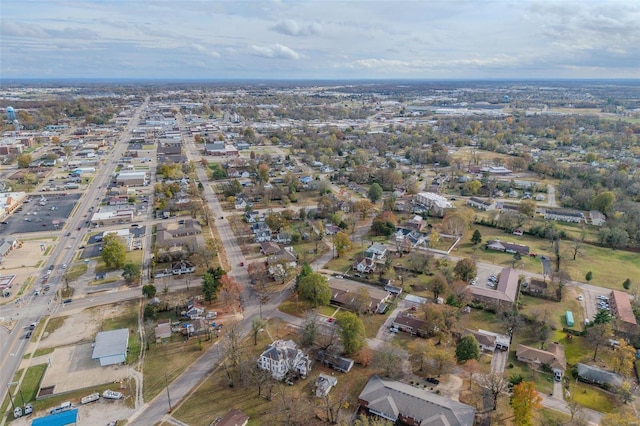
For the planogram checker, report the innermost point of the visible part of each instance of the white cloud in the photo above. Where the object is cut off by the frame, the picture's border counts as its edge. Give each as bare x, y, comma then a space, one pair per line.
204, 50
292, 28
274, 51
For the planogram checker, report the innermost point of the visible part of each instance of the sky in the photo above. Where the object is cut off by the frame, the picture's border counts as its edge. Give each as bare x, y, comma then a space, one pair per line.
319, 39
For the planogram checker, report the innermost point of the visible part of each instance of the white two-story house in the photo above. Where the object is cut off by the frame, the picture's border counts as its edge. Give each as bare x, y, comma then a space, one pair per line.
283, 360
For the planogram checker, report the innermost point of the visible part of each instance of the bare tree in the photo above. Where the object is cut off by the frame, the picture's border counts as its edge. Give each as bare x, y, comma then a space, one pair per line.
257, 325
494, 385
576, 248
389, 359
334, 403
361, 301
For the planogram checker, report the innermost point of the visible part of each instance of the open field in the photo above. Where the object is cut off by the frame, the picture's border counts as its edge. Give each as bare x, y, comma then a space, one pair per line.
592, 397
598, 260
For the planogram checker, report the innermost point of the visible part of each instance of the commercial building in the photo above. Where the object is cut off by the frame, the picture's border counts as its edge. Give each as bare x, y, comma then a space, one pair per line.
111, 347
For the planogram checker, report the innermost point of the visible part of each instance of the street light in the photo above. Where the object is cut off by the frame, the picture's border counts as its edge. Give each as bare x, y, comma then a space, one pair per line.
9, 392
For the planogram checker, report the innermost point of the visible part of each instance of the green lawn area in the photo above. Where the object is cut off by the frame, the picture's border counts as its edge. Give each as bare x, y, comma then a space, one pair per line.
548, 416
39, 352
29, 386
557, 310
482, 319
164, 362
543, 381
76, 270
592, 397
596, 259
53, 324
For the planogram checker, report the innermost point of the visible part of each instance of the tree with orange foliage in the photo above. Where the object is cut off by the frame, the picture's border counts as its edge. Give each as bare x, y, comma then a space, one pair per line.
388, 216
524, 400
471, 367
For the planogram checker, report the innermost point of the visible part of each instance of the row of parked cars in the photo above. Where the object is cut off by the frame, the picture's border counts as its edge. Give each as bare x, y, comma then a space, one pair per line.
602, 302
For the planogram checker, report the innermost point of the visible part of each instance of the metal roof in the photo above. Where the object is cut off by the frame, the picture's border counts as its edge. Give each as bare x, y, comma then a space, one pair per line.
109, 343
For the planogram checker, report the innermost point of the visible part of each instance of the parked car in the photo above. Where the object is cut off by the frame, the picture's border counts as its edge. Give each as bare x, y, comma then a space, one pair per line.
28, 409
433, 380
17, 412
28, 335
580, 298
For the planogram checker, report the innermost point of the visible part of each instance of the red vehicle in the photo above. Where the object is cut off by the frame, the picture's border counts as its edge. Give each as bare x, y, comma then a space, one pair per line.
241, 263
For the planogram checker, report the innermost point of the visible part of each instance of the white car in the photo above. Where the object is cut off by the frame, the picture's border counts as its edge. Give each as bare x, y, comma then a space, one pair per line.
580, 298
28, 409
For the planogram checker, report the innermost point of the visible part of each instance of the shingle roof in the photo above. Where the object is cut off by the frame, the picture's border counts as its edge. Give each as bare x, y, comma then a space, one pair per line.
428, 409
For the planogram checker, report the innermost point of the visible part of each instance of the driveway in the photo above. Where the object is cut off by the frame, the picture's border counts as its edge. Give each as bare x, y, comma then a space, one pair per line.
499, 361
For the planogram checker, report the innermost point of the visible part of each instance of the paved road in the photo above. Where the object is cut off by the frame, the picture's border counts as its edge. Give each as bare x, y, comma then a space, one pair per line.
591, 416
551, 195
34, 307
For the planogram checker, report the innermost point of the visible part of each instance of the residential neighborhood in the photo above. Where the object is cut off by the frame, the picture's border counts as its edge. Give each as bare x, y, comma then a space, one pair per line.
394, 255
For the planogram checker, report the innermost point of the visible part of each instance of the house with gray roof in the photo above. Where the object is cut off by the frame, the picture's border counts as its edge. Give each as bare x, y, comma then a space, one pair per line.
283, 359
598, 376
406, 404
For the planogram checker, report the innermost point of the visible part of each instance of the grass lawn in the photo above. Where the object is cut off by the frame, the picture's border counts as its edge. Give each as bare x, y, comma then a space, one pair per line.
76, 270
556, 310
53, 324
479, 318
29, 386
39, 352
164, 362
548, 416
592, 397
214, 397
543, 381
596, 259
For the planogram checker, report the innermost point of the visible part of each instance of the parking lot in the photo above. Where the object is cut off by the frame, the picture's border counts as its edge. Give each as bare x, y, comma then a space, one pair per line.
92, 247
40, 213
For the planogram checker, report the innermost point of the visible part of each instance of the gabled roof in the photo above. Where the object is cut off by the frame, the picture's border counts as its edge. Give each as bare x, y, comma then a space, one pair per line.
109, 343
428, 409
506, 290
554, 357
623, 309
597, 375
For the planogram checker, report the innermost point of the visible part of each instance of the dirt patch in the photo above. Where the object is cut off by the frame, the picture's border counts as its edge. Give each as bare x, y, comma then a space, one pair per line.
81, 326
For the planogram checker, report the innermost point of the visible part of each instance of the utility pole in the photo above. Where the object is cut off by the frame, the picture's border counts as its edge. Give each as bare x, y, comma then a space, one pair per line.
167, 386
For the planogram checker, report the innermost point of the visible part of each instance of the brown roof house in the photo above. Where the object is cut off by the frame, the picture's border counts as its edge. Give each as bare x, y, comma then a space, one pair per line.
489, 341
553, 357
505, 293
621, 308
506, 247
344, 292
234, 417
412, 325
408, 405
